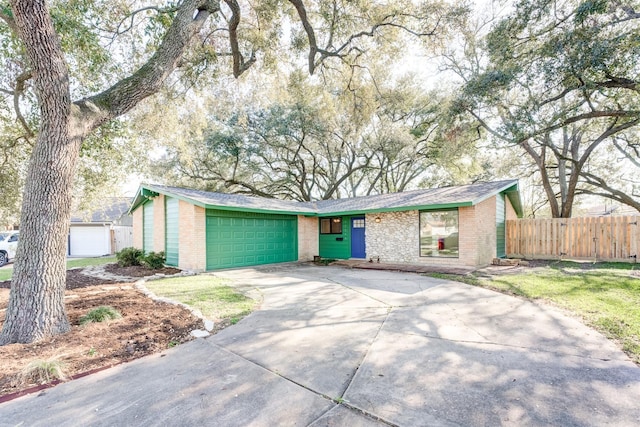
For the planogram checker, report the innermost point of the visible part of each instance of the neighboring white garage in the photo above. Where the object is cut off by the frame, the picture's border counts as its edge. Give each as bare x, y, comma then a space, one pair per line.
89, 240
102, 232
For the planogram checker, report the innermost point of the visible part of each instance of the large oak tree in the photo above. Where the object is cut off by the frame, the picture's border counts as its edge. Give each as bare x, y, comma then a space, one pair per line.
316, 141
190, 35
559, 80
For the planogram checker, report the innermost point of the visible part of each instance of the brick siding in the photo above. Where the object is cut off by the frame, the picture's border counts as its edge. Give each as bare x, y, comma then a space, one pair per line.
308, 240
192, 244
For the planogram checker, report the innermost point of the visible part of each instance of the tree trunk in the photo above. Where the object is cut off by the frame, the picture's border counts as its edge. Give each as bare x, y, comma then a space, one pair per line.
36, 301
39, 277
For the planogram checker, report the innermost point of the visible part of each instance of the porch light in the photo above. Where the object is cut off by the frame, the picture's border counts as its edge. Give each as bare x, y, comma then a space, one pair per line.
378, 220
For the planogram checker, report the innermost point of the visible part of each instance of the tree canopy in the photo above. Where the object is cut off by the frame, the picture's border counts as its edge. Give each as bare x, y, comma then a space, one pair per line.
559, 80
73, 67
310, 140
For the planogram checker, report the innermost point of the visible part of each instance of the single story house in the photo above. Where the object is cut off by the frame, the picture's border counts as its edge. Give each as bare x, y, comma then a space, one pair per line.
199, 230
92, 233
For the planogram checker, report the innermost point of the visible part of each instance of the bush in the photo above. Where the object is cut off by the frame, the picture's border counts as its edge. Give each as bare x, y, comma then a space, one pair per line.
153, 260
42, 372
129, 256
100, 314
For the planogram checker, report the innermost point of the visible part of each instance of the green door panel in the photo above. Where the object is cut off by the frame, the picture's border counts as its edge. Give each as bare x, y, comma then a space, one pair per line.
239, 239
336, 246
171, 231
147, 227
500, 227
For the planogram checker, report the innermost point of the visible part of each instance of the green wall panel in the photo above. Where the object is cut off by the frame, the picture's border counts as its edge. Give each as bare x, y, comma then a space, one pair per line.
500, 226
239, 239
172, 231
337, 245
147, 226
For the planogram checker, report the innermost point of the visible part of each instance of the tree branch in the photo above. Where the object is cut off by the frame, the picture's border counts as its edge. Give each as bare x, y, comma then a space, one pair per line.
587, 116
327, 52
133, 14
635, 160
7, 16
19, 90
311, 35
611, 193
239, 64
126, 94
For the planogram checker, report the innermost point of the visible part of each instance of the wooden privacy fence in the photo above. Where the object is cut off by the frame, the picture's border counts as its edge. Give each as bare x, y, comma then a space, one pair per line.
613, 238
121, 237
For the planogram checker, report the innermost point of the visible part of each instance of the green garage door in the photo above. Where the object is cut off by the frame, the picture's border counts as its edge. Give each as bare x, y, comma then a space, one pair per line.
238, 239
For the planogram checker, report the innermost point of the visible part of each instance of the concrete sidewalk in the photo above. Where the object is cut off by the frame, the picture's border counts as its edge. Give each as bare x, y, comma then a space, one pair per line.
332, 346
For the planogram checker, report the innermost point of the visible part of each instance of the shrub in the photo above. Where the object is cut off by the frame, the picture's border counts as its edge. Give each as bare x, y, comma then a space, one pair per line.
42, 372
153, 260
129, 256
100, 314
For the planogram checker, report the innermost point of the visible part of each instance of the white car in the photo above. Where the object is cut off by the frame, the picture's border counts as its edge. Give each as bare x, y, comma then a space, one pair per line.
8, 245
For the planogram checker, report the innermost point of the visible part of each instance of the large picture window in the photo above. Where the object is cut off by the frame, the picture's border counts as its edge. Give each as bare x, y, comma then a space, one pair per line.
439, 233
331, 225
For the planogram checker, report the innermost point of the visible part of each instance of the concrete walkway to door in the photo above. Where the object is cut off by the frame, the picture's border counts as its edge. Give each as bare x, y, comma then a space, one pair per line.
332, 347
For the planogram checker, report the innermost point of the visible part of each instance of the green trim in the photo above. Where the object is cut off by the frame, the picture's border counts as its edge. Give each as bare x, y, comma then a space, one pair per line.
400, 209
514, 198
512, 192
510, 187
253, 210
152, 190
146, 192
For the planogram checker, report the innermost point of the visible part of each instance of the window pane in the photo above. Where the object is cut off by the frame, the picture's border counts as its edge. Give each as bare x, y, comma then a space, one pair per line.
325, 226
336, 225
439, 233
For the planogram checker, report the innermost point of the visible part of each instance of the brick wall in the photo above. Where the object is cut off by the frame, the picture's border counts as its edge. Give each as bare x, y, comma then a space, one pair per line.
158, 223
308, 240
396, 238
137, 227
485, 231
192, 245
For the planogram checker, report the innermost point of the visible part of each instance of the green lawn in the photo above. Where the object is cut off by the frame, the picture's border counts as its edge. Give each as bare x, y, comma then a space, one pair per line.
606, 296
211, 295
6, 273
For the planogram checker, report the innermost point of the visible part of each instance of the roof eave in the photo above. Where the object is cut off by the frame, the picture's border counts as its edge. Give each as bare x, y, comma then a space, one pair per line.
146, 192
258, 210
397, 209
512, 191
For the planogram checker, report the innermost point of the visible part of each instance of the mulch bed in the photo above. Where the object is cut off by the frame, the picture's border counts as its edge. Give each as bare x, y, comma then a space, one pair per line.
146, 327
138, 270
75, 279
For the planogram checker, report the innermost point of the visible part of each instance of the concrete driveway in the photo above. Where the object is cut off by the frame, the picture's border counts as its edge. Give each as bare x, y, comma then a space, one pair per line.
339, 347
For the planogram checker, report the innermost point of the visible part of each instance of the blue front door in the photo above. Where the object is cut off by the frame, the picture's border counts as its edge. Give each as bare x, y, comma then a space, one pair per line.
357, 238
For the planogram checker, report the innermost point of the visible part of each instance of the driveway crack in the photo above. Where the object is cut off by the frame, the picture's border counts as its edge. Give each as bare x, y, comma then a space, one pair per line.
360, 292
336, 400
